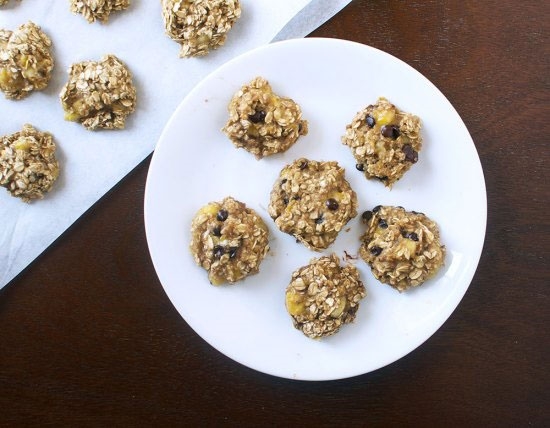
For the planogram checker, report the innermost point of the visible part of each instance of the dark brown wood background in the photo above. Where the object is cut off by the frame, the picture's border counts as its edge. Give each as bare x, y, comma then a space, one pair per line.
89, 338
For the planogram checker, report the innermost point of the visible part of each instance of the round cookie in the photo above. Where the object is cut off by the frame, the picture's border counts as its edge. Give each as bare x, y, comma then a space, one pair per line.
312, 201
263, 122
323, 296
402, 247
26, 61
98, 10
200, 25
28, 166
384, 140
229, 240
99, 94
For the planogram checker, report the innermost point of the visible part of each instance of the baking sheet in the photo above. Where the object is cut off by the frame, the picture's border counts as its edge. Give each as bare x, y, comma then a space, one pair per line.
93, 162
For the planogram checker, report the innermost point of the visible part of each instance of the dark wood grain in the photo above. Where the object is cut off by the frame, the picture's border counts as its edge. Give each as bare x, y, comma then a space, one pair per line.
88, 337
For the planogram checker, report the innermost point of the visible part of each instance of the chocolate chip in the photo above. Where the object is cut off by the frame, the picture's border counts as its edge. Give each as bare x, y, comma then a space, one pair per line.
233, 252
375, 251
382, 223
217, 231
222, 215
303, 165
376, 208
409, 235
319, 219
366, 216
370, 121
285, 200
411, 155
257, 117
390, 131
360, 167
332, 204
218, 251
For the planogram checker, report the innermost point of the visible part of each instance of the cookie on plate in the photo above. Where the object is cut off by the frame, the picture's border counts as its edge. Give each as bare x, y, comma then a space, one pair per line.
28, 166
312, 201
200, 25
263, 122
384, 140
229, 240
99, 94
26, 61
323, 296
402, 247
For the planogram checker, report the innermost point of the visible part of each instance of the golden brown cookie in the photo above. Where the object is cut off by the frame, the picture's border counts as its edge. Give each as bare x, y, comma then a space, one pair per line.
26, 61
263, 122
229, 240
402, 247
312, 201
98, 10
28, 166
323, 296
200, 25
99, 94
384, 141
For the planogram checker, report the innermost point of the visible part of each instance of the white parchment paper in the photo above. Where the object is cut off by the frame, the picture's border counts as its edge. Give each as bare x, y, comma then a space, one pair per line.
93, 162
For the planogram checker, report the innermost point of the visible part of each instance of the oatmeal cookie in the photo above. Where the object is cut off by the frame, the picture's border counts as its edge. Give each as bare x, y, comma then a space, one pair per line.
229, 240
99, 94
26, 61
312, 201
28, 166
402, 247
98, 10
384, 140
262, 122
323, 296
3, 2
200, 25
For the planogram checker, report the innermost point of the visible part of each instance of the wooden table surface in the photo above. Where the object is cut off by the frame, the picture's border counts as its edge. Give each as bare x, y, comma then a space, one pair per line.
89, 338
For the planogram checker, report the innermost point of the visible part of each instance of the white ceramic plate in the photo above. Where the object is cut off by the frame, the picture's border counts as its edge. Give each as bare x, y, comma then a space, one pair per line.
194, 163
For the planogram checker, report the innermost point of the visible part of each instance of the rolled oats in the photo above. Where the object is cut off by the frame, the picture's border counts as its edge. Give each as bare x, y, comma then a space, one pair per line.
402, 247
26, 61
229, 240
199, 25
28, 166
99, 94
262, 122
323, 296
384, 140
312, 201
99, 10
